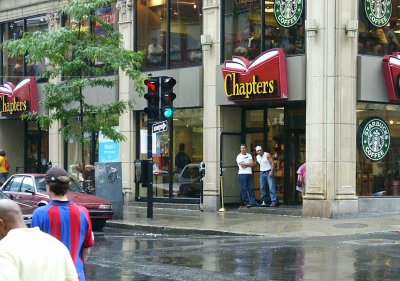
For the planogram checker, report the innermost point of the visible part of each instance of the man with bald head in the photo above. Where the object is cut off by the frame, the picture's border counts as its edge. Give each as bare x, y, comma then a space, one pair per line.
28, 253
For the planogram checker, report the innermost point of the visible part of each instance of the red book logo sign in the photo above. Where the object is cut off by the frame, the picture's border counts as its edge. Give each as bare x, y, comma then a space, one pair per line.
391, 71
263, 78
18, 99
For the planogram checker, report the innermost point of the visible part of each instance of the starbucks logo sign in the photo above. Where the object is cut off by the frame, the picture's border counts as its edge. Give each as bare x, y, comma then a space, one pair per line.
288, 12
374, 138
378, 11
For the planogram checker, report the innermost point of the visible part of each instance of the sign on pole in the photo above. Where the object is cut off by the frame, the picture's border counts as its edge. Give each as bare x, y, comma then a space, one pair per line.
160, 127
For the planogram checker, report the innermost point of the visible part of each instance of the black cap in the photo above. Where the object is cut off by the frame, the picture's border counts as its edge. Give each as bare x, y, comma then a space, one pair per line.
56, 174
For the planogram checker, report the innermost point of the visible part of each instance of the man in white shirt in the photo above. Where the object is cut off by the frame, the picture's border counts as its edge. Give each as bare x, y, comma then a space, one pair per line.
266, 163
28, 254
246, 180
155, 52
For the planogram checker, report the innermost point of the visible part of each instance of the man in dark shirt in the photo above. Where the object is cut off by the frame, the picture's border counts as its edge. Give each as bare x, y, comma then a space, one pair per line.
181, 158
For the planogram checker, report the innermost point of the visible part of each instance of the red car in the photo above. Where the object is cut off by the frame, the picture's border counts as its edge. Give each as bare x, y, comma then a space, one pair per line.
27, 210
30, 189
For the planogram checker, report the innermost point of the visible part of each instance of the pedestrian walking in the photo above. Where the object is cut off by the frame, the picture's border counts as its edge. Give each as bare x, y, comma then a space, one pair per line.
65, 220
301, 179
246, 180
4, 166
28, 254
266, 163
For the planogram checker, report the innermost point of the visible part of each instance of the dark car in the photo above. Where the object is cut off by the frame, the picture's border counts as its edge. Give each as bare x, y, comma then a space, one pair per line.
30, 189
189, 180
27, 210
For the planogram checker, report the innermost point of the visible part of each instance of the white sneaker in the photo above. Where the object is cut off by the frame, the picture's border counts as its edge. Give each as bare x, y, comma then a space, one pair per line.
263, 204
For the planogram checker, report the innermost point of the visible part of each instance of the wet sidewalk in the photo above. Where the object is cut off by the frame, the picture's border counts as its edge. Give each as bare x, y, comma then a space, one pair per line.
270, 222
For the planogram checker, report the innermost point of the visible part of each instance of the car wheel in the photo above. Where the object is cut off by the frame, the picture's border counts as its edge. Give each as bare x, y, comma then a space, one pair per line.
98, 225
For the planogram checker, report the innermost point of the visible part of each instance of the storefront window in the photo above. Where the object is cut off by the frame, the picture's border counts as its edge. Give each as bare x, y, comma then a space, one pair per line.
380, 178
36, 149
33, 25
108, 14
378, 28
151, 33
184, 48
74, 154
181, 155
243, 28
13, 68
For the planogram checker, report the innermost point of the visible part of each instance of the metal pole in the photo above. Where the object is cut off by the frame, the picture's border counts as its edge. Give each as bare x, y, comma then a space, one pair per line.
149, 169
222, 209
221, 186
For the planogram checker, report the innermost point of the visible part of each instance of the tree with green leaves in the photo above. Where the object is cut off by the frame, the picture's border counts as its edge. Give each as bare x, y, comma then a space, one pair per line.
77, 59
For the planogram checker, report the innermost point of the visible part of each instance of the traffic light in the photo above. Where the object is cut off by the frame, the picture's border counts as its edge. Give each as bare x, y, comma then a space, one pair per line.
153, 98
167, 97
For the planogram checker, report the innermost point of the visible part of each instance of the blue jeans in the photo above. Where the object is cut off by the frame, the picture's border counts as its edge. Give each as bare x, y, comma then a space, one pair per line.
264, 179
3, 177
247, 188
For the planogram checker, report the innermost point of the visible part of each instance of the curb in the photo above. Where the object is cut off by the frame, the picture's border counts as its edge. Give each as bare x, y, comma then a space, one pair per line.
168, 230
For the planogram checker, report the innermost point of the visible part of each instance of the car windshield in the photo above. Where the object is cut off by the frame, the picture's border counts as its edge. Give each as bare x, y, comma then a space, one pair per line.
41, 185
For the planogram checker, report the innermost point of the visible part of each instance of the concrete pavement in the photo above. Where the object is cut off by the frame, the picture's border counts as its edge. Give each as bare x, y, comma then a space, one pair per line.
269, 222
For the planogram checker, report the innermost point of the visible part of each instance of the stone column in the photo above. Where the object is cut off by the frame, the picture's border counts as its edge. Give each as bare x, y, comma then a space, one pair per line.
331, 110
56, 140
212, 126
126, 121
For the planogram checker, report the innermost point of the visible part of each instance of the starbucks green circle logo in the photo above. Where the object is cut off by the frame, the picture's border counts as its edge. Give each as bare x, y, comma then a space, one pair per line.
288, 12
374, 138
378, 11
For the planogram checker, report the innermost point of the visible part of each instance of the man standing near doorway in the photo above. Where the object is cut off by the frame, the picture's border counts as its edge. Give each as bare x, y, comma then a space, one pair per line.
266, 176
246, 180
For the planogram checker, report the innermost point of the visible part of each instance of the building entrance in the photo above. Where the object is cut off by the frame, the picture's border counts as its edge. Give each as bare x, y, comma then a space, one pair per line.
281, 132
36, 149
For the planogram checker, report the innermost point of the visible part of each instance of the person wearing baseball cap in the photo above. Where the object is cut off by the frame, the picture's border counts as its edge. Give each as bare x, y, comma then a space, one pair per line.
264, 159
61, 216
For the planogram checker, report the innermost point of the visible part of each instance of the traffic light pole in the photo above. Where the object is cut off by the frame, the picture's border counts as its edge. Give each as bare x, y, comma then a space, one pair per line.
159, 95
149, 169
153, 107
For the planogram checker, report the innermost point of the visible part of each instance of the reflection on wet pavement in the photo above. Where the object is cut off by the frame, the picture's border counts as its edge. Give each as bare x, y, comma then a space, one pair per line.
122, 255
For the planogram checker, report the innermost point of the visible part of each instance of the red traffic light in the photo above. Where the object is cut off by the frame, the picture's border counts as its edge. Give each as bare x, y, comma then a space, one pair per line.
153, 97
151, 85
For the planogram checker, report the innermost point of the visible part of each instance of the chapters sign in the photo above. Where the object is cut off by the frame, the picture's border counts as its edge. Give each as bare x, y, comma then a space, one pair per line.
18, 99
264, 78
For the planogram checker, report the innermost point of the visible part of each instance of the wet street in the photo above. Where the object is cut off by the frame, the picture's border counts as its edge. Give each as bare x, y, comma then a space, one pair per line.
121, 255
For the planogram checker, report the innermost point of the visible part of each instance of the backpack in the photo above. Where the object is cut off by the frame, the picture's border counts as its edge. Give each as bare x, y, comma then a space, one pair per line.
7, 164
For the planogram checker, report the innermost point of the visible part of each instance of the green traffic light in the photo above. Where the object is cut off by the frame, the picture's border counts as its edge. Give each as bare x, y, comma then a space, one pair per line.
169, 112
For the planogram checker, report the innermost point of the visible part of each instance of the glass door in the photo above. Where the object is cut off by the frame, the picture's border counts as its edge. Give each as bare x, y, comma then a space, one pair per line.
295, 156
36, 149
281, 132
266, 128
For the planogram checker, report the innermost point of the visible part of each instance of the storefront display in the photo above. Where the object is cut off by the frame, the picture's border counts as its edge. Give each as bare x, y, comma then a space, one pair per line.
378, 156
